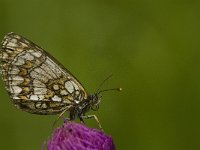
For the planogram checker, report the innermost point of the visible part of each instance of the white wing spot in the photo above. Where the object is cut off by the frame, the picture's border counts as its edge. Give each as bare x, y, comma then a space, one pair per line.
77, 92
16, 97
28, 56
55, 87
42, 72
19, 61
41, 97
69, 86
17, 36
4, 42
56, 98
38, 83
14, 40
24, 45
38, 76
75, 85
76, 101
10, 44
34, 97
44, 105
15, 89
37, 54
63, 92
38, 105
56, 69
15, 70
50, 71
40, 91
4, 55
16, 80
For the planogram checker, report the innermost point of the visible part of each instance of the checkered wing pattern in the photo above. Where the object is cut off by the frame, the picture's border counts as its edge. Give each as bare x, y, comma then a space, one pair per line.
35, 81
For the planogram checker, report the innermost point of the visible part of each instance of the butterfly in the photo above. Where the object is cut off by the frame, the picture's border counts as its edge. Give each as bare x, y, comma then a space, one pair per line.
37, 83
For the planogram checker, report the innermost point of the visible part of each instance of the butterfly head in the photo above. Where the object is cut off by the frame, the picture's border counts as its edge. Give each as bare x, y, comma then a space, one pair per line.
96, 98
94, 101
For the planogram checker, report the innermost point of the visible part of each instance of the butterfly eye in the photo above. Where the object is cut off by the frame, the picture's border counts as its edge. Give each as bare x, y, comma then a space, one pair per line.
95, 107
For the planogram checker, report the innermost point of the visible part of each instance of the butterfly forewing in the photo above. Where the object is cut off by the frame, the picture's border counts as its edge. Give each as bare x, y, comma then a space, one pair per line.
35, 81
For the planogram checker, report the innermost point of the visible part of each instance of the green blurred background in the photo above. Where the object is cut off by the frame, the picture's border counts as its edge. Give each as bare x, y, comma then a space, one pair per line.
151, 47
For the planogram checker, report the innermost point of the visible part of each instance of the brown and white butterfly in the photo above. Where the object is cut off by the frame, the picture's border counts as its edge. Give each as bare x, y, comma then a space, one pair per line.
37, 83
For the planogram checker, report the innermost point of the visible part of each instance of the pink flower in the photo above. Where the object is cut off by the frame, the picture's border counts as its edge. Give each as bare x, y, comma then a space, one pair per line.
74, 136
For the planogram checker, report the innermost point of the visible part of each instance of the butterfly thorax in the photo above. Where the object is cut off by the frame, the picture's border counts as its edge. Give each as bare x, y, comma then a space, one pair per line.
79, 110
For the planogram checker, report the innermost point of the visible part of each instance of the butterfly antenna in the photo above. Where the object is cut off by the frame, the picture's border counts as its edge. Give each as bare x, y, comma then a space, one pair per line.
104, 82
114, 89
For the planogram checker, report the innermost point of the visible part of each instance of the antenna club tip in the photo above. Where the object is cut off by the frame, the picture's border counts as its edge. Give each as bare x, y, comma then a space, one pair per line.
119, 89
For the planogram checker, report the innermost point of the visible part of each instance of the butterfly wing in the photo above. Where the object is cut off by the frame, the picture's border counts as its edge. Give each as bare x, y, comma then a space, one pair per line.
35, 81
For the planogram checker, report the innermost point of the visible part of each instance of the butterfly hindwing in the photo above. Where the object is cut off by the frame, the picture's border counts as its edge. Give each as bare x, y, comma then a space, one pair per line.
35, 81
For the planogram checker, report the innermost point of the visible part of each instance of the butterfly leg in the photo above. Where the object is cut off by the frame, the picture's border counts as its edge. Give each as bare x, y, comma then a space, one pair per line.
82, 121
61, 115
95, 117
